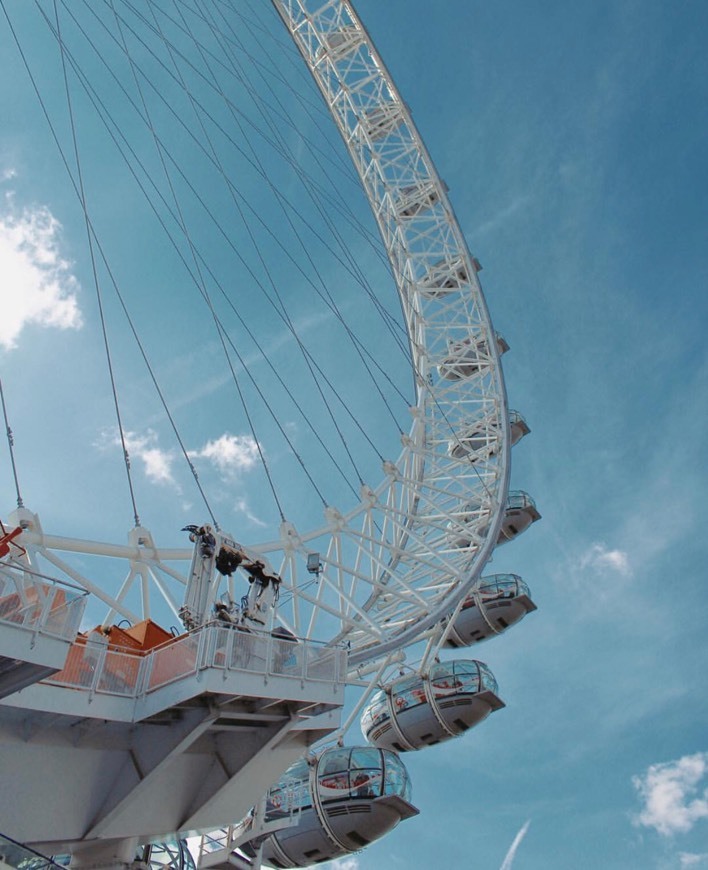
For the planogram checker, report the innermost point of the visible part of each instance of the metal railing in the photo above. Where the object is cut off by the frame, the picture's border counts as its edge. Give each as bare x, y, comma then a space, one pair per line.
40, 604
94, 667
14, 854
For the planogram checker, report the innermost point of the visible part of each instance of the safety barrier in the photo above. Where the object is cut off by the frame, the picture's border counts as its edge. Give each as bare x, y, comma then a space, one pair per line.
91, 665
40, 604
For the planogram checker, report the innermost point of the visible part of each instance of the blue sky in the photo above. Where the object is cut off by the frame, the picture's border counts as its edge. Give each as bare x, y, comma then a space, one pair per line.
572, 137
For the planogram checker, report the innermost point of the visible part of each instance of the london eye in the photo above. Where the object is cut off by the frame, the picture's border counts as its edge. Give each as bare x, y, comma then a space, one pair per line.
370, 468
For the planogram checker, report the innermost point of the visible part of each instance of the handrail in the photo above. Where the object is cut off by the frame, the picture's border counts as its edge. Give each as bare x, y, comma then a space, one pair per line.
95, 667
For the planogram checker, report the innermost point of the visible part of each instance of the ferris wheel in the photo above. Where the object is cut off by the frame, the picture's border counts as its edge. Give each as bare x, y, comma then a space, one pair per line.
398, 562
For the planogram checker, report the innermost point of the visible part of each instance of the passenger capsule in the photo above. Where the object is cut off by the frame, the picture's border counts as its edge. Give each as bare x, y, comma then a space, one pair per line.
467, 357
417, 711
342, 802
413, 199
443, 277
339, 43
520, 512
499, 601
479, 440
378, 122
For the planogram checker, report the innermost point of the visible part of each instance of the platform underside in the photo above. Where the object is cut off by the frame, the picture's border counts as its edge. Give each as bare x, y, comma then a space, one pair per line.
195, 766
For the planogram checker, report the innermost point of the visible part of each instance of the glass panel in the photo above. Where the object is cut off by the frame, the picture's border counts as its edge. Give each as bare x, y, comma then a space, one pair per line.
411, 696
461, 677
405, 684
334, 787
441, 671
488, 679
375, 713
295, 773
365, 757
333, 761
366, 783
396, 776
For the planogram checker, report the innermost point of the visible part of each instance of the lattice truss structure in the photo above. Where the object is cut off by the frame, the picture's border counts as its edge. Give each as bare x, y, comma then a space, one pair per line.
450, 483
401, 560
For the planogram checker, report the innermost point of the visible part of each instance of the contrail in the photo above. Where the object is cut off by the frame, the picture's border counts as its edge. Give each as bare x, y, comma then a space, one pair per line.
514, 846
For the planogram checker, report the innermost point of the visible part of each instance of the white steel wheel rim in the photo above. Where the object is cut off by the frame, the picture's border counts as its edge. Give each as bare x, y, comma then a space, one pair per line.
392, 566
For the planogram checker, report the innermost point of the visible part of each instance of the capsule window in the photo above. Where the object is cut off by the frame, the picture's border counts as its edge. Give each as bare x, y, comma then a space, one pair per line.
335, 762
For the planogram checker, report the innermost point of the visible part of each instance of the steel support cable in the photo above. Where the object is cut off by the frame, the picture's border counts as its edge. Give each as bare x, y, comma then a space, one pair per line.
276, 239
275, 290
342, 402
353, 268
99, 109
315, 194
391, 322
103, 256
311, 107
422, 383
82, 192
222, 331
229, 241
329, 301
287, 47
201, 282
11, 446
271, 281
186, 60
223, 292
461, 245
313, 265
373, 239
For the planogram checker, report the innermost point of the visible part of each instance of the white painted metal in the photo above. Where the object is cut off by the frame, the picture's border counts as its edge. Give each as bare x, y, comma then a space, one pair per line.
389, 570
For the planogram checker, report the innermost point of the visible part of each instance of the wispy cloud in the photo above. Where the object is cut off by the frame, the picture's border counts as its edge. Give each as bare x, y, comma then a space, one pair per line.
242, 506
39, 285
692, 859
511, 854
157, 463
670, 793
601, 559
348, 863
229, 453
501, 216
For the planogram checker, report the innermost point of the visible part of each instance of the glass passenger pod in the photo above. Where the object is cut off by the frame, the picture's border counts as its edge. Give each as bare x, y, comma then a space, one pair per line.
500, 601
518, 427
520, 512
468, 356
378, 122
443, 277
418, 711
478, 440
415, 198
339, 43
361, 793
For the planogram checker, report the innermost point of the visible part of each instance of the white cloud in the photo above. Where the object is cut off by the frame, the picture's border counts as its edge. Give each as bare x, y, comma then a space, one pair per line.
351, 862
7, 174
230, 453
670, 792
511, 854
37, 284
242, 506
156, 461
691, 859
601, 559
